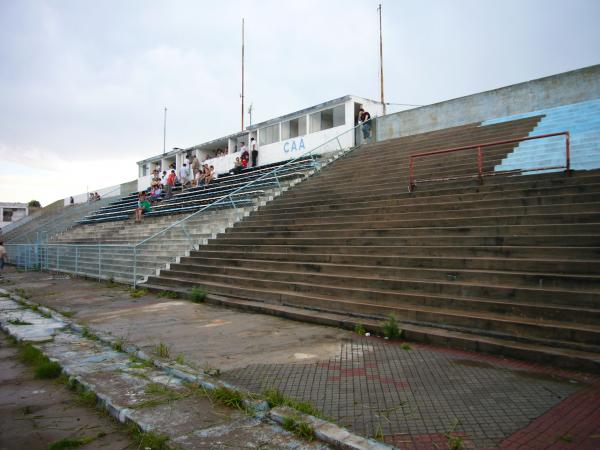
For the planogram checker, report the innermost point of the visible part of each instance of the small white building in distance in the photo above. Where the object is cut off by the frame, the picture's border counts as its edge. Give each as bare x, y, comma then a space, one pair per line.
12, 212
323, 128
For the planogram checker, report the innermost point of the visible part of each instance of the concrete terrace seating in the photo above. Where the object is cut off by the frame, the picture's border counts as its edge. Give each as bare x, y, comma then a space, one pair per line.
52, 222
104, 248
582, 120
509, 267
192, 199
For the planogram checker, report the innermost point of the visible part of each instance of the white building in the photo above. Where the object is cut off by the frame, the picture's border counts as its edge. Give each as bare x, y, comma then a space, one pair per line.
324, 128
12, 212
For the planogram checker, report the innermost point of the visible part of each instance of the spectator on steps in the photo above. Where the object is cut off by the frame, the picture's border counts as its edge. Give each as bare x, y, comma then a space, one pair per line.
211, 175
195, 167
184, 176
364, 118
201, 176
72, 201
237, 166
143, 207
155, 194
254, 152
170, 184
3, 256
244, 159
163, 178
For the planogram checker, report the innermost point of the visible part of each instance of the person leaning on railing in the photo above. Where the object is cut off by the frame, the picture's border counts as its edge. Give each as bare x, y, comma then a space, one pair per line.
364, 118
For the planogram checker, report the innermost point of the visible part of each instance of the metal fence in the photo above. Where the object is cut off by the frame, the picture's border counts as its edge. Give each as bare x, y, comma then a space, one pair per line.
131, 263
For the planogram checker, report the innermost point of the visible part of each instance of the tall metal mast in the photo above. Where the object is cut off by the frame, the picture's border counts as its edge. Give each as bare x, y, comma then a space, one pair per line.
381, 59
242, 74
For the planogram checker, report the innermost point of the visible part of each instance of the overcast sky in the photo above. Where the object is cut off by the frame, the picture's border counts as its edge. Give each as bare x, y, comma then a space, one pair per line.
83, 83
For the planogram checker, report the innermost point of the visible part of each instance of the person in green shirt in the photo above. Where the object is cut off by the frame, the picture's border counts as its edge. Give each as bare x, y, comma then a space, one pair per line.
143, 207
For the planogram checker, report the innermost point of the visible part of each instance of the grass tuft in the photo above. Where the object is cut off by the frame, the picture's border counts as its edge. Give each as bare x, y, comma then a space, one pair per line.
148, 439
168, 294
48, 370
137, 293
359, 329
18, 322
162, 350
197, 295
301, 429
406, 346
391, 329
228, 397
274, 397
69, 443
88, 334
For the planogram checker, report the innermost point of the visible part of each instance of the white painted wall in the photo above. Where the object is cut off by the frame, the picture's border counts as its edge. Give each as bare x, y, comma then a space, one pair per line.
107, 192
19, 211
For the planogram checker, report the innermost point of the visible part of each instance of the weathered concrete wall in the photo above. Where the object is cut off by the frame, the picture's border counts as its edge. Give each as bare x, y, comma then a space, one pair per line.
556, 90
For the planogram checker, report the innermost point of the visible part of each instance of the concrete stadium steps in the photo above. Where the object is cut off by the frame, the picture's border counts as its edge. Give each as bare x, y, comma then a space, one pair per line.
512, 262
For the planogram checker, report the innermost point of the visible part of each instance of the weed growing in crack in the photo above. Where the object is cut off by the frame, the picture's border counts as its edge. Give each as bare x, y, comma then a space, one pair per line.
162, 350
118, 345
228, 397
159, 394
405, 346
72, 442
180, 359
391, 329
42, 366
378, 435
168, 294
86, 333
302, 429
212, 371
18, 322
148, 439
137, 293
138, 363
274, 397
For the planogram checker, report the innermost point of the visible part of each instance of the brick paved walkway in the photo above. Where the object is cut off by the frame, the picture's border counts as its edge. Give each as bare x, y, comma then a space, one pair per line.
417, 398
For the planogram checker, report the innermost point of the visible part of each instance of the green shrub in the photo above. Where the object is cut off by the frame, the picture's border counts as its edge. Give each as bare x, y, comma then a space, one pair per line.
48, 370
391, 329
168, 294
359, 329
197, 295
137, 293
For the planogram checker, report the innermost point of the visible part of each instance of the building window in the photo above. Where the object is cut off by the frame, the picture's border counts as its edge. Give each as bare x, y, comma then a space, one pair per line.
328, 118
270, 134
144, 170
7, 214
293, 128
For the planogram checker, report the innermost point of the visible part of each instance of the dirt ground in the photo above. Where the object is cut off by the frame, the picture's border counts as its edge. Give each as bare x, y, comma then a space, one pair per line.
36, 413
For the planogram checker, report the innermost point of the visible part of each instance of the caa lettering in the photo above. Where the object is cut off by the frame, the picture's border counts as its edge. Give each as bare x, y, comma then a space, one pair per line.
292, 147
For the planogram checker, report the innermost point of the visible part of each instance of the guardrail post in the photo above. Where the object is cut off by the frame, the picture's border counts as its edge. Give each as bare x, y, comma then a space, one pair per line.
568, 153
76, 260
411, 174
480, 165
232, 202
135, 267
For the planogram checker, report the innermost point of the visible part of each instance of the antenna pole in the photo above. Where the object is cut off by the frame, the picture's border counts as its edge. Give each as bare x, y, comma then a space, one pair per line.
242, 74
381, 59
165, 132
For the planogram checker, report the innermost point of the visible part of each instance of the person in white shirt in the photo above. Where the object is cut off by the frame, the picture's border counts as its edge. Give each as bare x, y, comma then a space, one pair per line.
184, 176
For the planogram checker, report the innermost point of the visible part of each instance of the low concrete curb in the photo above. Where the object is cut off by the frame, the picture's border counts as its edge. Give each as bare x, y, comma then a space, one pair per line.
328, 432
325, 431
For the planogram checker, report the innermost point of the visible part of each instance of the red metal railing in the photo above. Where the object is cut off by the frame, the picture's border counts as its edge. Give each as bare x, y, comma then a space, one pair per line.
480, 147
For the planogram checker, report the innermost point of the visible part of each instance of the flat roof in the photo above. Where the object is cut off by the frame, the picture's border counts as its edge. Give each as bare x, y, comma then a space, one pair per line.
301, 112
328, 103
